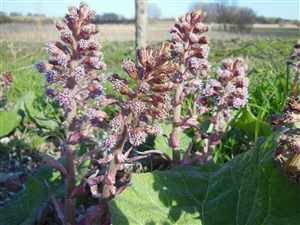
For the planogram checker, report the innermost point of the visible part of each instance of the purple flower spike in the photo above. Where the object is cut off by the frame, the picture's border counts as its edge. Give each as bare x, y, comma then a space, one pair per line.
74, 63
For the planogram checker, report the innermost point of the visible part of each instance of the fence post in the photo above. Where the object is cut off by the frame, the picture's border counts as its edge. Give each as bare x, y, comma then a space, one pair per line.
140, 23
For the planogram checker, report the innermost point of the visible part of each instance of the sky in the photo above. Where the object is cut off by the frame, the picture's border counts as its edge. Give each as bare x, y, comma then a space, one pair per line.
289, 9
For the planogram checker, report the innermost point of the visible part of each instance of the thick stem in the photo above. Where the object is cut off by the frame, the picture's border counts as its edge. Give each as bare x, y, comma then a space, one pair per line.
70, 182
174, 139
114, 167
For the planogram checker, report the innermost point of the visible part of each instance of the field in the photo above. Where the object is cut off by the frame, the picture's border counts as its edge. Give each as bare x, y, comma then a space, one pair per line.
157, 31
243, 160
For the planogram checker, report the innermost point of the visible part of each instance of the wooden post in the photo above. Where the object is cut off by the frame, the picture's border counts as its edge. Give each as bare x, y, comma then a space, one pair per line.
140, 23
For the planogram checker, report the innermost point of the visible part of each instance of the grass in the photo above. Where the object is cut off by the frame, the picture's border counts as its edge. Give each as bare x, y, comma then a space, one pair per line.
265, 56
278, 32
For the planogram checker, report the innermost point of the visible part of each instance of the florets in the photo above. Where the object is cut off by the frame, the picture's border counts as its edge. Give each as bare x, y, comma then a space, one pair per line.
73, 72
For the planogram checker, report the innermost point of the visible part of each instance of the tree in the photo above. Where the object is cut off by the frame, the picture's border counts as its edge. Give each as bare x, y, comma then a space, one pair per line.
241, 18
209, 8
225, 15
141, 22
15, 14
110, 17
154, 12
244, 19
297, 23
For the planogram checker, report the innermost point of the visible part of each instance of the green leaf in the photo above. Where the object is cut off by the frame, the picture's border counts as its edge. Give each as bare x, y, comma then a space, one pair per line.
252, 126
36, 114
249, 190
8, 122
82, 170
297, 125
161, 142
24, 208
37, 141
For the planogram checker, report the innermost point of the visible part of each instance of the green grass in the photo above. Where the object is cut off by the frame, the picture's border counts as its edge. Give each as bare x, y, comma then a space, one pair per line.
266, 58
20, 59
277, 32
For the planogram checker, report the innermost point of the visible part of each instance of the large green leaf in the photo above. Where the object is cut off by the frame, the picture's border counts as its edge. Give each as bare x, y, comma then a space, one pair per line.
8, 122
249, 190
161, 141
28, 204
23, 210
37, 115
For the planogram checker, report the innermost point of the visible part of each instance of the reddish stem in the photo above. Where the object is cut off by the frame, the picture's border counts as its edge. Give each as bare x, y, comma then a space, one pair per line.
174, 139
114, 167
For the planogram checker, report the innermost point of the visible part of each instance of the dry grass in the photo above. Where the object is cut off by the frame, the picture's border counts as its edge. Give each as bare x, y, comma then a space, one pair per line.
157, 31
38, 33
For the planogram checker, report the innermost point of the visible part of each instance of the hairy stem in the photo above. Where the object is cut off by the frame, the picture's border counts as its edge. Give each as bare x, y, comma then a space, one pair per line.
70, 180
174, 139
114, 167
70, 203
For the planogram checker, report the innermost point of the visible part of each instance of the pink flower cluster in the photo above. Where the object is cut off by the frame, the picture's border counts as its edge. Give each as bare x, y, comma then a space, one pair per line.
6, 80
216, 95
190, 45
294, 62
149, 101
73, 71
228, 91
296, 51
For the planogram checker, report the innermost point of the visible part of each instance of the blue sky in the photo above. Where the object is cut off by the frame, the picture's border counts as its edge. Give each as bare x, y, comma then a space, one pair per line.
289, 9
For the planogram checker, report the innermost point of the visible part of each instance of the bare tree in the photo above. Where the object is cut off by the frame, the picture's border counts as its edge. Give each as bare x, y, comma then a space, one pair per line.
239, 18
211, 10
141, 23
244, 19
225, 15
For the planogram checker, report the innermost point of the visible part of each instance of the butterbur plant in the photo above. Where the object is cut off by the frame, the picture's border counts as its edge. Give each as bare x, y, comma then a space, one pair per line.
294, 60
74, 80
190, 50
215, 93
161, 80
145, 105
74, 75
134, 156
288, 146
5, 82
218, 99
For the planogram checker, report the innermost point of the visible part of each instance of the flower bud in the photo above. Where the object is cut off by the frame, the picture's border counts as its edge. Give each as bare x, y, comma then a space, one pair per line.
42, 67
194, 38
64, 99
60, 25
66, 36
83, 11
130, 68
75, 138
136, 136
72, 12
